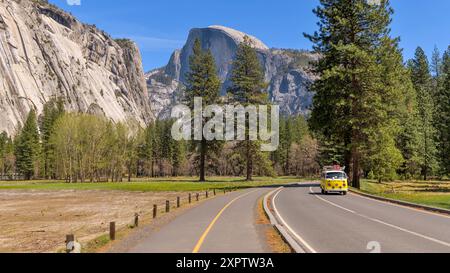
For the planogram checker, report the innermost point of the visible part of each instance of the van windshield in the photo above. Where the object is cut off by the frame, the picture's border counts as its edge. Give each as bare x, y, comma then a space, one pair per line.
336, 175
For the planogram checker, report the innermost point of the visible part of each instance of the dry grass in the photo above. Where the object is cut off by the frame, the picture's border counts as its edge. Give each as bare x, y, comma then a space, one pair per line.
37, 221
273, 238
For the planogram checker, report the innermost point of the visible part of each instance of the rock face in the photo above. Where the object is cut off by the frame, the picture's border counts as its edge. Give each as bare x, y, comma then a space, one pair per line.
285, 70
46, 53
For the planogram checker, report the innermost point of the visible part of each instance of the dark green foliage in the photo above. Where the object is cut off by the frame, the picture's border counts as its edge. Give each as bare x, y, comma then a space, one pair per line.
422, 80
247, 77
443, 115
292, 130
53, 110
203, 82
28, 148
247, 88
359, 90
7, 159
436, 63
161, 151
3, 143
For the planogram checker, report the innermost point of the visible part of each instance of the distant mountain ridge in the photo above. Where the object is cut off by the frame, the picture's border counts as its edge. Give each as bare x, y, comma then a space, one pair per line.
286, 71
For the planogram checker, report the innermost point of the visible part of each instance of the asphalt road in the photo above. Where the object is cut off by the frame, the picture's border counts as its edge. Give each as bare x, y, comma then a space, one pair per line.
225, 224
355, 224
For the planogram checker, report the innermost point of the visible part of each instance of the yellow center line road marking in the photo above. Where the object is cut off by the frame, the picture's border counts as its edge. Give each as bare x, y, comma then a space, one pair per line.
208, 230
384, 223
298, 237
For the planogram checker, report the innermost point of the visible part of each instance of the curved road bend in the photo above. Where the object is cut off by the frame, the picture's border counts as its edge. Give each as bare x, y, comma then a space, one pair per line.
342, 224
225, 224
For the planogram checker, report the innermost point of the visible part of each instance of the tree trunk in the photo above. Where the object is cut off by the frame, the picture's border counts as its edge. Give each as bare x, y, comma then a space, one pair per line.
286, 168
202, 161
161, 168
153, 168
129, 172
425, 171
249, 163
356, 180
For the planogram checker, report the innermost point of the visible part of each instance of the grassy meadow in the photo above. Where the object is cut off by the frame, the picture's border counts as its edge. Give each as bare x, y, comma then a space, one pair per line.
430, 193
152, 185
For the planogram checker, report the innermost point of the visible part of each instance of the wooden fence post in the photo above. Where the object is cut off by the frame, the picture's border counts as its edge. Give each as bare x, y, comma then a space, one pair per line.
178, 202
69, 238
155, 211
167, 206
198, 196
112, 231
136, 220
207, 194
190, 198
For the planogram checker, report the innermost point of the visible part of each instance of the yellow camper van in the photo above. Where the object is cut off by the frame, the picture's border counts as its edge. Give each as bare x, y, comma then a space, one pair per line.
334, 180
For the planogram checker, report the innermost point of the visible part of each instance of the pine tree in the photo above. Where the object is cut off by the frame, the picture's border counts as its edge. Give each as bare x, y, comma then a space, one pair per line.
421, 78
292, 130
202, 81
178, 156
409, 140
148, 153
247, 80
436, 63
158, 148
28, 148
281, 156
354, 99
53, 110
3, 144
443, 116
3, 141
7, 160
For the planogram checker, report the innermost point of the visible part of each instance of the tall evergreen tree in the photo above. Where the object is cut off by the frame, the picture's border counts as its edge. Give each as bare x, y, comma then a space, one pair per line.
393, 147
247, 80
202, 81
53, 110
292, 130
409, 138
354, 99
421, 78
7, 159
436, 63
27, 148
443, 115
3, 150
151, 146
282, 154
3, 142
178, 156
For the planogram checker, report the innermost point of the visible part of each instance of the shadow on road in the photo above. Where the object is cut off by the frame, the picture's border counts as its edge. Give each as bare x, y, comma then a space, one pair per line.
299, 185
303, 185
315, 186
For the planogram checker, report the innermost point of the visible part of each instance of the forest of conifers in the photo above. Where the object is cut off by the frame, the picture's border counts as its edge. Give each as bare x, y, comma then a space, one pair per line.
380, 116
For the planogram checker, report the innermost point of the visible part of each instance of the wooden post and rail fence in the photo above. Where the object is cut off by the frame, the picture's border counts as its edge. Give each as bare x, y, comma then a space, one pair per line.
70, 238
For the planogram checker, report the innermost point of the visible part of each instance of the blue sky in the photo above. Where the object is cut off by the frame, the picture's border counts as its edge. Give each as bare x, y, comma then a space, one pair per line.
161, 26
